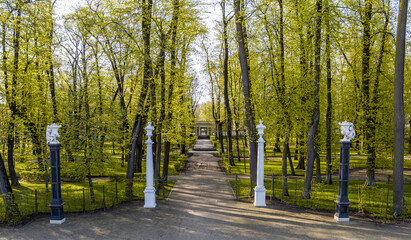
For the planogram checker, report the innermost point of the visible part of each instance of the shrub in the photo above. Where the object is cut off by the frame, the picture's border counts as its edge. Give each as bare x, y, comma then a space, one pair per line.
32, 175
177, 166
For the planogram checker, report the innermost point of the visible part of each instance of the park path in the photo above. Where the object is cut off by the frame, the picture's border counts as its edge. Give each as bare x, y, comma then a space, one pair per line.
202, 206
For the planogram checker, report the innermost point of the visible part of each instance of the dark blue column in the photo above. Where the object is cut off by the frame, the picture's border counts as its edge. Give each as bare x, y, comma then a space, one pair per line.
56, 205
342, 201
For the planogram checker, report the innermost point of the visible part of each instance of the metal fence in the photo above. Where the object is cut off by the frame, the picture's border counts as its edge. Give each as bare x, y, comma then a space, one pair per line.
77, 199
372, 201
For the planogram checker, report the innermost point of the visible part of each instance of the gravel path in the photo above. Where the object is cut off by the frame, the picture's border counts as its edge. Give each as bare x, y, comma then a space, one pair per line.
202, 206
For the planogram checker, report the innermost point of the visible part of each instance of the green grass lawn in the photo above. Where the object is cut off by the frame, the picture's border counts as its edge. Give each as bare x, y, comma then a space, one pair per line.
32, 198
368, 200
110, 167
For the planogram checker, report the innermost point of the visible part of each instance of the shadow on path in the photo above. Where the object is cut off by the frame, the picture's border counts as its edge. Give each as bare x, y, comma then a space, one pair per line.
202, 206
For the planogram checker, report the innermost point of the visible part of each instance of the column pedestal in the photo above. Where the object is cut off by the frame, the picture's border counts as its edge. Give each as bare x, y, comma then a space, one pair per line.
342, 208
56, 205
150, 197
150, 191
259, 199
259, 190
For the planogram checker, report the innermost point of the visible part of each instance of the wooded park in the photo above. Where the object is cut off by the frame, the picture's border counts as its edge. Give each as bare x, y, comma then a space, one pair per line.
106, 68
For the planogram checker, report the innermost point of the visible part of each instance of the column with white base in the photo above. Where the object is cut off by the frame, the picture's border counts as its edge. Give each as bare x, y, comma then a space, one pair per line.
259, 190
150, 191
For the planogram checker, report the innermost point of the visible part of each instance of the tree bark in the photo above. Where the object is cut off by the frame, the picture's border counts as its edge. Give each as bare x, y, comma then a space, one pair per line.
409, 138
11, 208
284, 168
161, 72
301, 152
226, 97
328, 178
306, 193
173, 64
147, 78
366, 55
249, 112
399, 121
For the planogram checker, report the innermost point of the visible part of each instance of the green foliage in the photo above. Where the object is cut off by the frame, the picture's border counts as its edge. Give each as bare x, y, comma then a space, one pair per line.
374, 201
72, 195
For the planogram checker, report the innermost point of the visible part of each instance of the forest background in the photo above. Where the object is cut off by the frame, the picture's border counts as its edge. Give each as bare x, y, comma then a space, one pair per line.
106, 69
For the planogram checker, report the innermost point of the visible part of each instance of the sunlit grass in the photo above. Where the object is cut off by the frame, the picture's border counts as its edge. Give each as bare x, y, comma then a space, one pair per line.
33, 198
376, 201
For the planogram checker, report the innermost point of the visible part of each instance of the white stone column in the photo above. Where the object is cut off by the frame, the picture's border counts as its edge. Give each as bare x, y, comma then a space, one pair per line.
259, 190
150, 191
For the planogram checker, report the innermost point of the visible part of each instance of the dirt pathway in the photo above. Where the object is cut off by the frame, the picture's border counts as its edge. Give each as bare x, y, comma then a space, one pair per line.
202, 206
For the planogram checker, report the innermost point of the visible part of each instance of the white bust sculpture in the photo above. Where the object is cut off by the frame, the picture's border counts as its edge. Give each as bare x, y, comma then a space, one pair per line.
347, 129
52, 134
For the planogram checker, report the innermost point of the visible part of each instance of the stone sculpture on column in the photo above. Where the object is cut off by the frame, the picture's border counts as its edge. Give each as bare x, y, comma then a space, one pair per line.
56, 205
259, 190
150, 191
342, 214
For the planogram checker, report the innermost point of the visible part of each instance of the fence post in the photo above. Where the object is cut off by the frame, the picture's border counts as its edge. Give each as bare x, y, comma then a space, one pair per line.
386, 208
84, 202
35, 201
295, 192
272, 187
236, 187
359, 199
104, 199
116, 193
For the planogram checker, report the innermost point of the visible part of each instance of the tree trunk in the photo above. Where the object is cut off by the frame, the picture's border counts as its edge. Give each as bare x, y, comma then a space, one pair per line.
284, 168
139, 153
167, 146
316, 113
226, 97
173, 64
10, 154
301, 152
90, 185
318, 168
139, 119
249, 113
12, 212
366, 55
398, 163
409, 138
290, 160
161, 72
238, 144
50, 71
220, 136
103, 129
328, 179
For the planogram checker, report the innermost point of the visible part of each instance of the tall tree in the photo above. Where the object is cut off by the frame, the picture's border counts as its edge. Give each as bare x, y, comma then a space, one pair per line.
327, 12
140, 118
229, 120
399, 121
173, 71
245, 74
311, 153
366, 55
